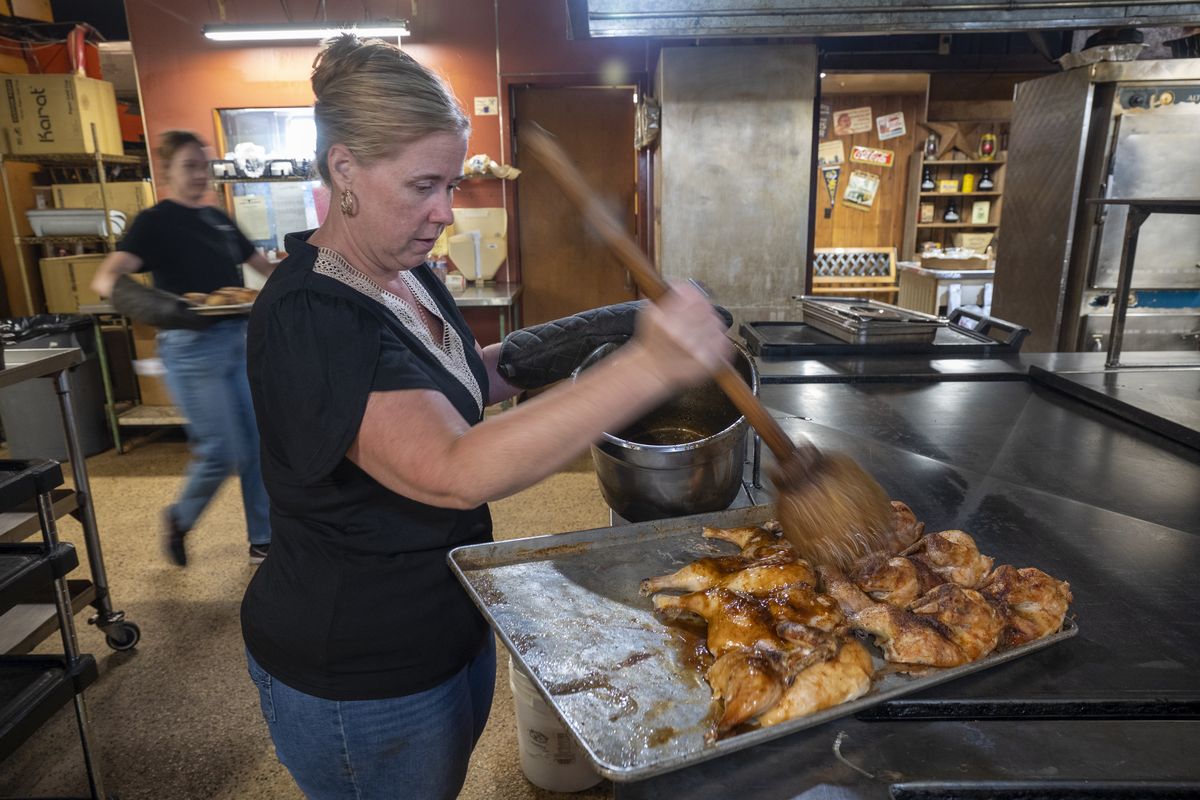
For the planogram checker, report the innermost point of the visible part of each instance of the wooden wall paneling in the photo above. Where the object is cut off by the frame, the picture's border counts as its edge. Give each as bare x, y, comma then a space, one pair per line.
883, 225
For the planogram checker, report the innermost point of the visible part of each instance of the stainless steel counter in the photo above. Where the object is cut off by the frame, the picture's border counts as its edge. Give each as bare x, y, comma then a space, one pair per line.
21, 365
1054, 482
487, 294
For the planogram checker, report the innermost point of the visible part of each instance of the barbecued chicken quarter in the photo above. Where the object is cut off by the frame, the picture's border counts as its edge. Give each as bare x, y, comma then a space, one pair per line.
1032, 603
732, 572
953, 556
756, 542
746, 683
735, 619
967, 619
897, 580
904, 637
824, 684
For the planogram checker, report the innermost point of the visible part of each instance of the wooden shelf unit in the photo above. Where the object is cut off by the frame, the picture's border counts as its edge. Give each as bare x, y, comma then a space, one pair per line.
938, 230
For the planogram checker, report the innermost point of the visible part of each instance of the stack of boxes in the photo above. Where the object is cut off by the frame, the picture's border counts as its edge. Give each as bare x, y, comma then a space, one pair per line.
60, 114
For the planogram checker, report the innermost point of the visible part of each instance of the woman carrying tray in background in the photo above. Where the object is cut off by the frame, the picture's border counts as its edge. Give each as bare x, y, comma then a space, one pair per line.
189, 246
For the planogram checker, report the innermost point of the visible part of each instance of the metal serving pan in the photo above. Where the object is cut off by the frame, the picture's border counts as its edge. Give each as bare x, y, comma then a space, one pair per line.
858, 321
568, 609
231, 310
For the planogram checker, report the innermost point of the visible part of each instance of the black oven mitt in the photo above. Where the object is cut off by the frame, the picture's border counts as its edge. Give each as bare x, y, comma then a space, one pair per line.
155, 307
542, 354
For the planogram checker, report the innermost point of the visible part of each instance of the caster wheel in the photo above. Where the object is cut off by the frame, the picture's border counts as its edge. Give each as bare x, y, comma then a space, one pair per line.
123, 636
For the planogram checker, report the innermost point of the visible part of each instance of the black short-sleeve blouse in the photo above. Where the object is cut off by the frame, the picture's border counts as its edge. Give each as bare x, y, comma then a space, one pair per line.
355, 601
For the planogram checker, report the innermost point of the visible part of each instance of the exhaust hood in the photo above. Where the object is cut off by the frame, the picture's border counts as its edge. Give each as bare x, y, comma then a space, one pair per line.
733, 18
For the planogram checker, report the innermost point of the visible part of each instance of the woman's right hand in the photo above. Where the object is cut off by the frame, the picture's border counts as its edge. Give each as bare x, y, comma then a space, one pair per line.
683, 336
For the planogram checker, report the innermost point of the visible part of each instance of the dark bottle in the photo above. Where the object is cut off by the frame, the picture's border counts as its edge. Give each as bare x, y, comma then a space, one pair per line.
927, 180
951, 212
985, 180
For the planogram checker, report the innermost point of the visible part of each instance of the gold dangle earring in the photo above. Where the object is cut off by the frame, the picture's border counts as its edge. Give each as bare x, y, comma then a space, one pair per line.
348, 202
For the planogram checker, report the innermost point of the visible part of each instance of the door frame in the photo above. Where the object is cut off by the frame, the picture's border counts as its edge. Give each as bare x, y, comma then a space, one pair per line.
644, 159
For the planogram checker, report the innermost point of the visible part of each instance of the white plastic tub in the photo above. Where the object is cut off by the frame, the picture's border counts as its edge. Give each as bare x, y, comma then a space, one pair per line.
550, 757
74, 221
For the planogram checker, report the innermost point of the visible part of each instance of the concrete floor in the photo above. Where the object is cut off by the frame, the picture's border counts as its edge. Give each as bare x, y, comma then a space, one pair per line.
178, 717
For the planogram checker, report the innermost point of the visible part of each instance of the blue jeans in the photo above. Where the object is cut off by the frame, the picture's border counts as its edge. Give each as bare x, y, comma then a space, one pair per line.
206, 375
415, 746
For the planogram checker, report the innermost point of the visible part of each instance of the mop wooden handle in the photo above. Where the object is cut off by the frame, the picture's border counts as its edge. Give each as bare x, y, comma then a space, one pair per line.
573, 185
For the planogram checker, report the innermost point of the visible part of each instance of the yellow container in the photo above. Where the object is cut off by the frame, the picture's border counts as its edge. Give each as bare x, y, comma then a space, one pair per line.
969, 182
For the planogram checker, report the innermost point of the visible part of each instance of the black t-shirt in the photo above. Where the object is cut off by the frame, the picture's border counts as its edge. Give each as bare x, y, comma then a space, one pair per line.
187, 249
356, 601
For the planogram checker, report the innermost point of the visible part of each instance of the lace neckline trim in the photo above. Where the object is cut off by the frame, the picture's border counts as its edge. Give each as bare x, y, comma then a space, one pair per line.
450, 352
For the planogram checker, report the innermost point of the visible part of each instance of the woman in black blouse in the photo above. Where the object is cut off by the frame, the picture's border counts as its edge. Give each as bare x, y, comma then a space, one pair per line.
374, 669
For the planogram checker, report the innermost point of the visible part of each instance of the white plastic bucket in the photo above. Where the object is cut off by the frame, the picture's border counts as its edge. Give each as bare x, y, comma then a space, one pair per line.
550, 756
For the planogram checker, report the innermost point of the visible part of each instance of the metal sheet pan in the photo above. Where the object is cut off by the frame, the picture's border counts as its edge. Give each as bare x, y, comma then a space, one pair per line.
862, 321
568, 609
232, 310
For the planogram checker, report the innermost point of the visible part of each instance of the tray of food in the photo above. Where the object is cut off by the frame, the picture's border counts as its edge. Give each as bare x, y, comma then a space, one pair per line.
663, 644
858, 321
226, 301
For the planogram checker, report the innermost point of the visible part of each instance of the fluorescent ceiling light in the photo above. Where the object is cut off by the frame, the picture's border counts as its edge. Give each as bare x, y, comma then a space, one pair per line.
303, 32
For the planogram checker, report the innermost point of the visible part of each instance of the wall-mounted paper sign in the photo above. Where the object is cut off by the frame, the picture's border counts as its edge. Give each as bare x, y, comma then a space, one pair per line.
861, 190
831, 153
872, 156
823, 124
250, 211
852, 120
890, 126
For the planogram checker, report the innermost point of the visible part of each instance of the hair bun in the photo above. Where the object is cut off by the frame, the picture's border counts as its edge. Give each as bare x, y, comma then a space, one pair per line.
340, 56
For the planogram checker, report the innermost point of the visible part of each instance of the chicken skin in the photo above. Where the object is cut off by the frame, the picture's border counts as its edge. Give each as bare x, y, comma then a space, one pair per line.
905, 528
904, 637
747, 683
1031, 603
953, 556
845, 677
736, 572
735, 620
897, 580
963, 616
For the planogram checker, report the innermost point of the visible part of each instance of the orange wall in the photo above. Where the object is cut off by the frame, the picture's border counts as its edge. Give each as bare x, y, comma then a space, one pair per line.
183, 76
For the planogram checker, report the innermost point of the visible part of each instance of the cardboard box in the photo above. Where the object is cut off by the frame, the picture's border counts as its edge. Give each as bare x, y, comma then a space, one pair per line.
948, 185
54, 113
128, 197
973, 241
151, 387
67, 282
153, 390
29, 9
940, 262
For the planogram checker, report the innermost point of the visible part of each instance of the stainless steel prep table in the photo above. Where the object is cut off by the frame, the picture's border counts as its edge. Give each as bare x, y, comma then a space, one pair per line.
1095, 499
120, 633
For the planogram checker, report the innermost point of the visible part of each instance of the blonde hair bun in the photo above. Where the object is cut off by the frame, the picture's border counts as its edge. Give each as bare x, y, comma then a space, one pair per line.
374, 98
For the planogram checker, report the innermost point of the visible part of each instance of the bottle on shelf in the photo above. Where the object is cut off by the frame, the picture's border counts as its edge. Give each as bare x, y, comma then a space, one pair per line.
927, 184
987, 146
951, 212
985, 180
